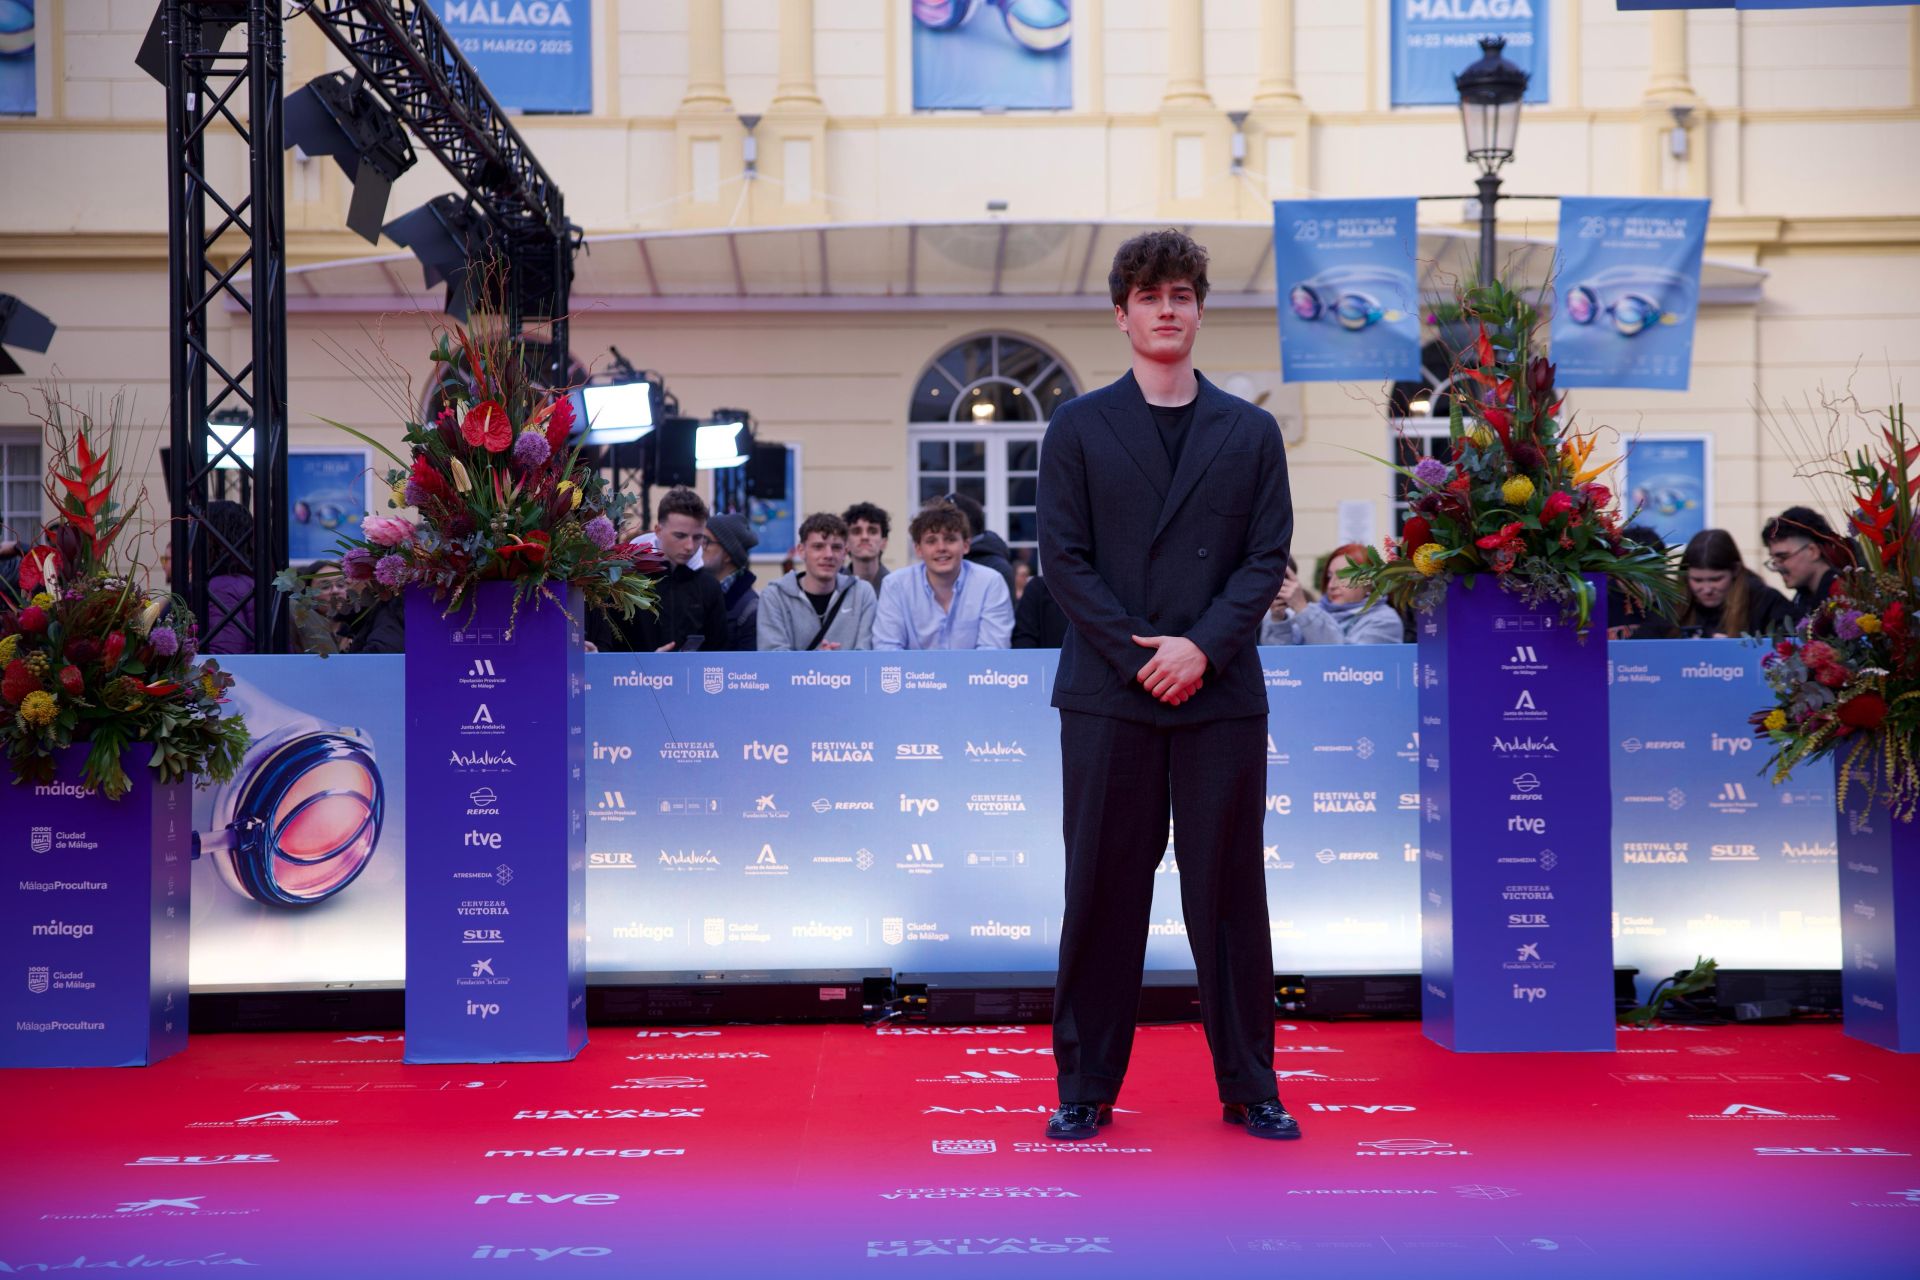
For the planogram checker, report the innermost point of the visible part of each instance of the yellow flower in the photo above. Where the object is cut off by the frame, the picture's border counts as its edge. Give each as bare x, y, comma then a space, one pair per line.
38, 709
1869, 623
568, 487
1776, 720
9, 645
1481, 437
44, 600
400, 494
1426, 558
461, 481
1517, 490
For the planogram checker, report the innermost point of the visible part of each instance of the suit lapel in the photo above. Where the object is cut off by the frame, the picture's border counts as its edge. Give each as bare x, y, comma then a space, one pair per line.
1132, 424
1213, 420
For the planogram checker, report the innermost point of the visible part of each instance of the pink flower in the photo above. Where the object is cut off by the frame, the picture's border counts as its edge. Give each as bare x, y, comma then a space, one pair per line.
387, 531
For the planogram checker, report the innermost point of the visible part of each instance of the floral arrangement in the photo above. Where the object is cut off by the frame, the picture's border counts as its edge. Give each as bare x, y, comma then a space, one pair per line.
88, 656
1846, 683
1520, 497
500, 497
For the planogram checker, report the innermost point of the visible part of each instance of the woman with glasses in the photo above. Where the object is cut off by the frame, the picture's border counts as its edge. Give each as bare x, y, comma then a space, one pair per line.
1723, 596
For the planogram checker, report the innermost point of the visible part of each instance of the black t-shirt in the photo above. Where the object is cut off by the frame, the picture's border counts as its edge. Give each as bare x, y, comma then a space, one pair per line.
819, 602
1173, 421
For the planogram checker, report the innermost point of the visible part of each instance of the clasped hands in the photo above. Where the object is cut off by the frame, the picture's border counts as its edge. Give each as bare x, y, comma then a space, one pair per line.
1175, 671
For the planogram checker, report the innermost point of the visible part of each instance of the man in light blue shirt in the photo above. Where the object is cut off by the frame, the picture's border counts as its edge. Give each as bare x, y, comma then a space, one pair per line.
943, 602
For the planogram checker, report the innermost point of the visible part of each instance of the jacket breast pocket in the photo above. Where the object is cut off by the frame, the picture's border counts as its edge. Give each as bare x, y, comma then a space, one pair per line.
1231, 482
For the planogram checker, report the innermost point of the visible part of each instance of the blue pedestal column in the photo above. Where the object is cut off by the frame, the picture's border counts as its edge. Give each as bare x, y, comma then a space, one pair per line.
1515, 869
93, 919
496, 844
1880, 926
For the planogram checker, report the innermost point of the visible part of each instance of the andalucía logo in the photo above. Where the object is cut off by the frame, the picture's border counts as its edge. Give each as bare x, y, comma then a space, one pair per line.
480, 761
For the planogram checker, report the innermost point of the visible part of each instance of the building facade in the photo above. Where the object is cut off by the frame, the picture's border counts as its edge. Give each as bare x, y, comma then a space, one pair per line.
903, 293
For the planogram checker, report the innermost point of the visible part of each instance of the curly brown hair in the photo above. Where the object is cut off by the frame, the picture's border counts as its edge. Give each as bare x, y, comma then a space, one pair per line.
939, 517
1158, 257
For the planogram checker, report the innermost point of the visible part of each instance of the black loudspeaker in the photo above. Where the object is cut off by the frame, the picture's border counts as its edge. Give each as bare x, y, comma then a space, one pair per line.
767, 472
670, 460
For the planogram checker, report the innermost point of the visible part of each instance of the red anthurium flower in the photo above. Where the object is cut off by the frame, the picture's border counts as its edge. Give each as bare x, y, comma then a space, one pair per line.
486, 425
1415, 533
1864, 711
1492, 541
529, 552
1558, 504
160, 688
1500, 420
32, 568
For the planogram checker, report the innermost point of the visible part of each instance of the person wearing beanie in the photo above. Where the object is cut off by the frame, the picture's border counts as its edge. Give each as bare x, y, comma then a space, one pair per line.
730, 539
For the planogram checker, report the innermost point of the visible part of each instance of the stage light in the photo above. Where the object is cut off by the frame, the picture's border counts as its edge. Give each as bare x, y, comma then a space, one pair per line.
617, 413
342, 118
152, 57
725, 440
230, 439
444, 234
21, 326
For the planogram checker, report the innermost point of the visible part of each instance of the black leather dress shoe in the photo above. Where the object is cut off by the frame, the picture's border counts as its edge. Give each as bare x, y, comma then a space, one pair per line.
1075, 1120
1267, 1119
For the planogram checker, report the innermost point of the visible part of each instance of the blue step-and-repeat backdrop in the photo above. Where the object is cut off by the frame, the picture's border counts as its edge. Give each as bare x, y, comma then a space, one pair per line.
903, 811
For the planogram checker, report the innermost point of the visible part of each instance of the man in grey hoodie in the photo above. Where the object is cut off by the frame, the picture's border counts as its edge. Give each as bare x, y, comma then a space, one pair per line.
817, 606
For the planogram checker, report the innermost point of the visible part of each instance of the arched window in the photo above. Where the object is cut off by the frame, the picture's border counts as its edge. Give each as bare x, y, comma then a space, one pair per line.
975, 421
1417, 414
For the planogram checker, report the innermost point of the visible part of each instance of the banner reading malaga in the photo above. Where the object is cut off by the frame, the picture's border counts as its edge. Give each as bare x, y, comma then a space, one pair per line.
1344, 274
533, 55
1435, 39
1627, 288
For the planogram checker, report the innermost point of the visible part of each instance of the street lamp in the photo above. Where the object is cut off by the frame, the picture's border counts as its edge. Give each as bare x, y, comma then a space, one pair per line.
1490, 93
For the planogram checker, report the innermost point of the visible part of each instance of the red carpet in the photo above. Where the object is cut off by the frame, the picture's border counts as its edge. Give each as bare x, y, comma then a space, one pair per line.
757, 1151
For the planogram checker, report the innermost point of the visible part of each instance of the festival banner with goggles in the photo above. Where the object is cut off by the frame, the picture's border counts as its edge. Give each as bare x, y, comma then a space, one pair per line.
1349, 306
880, 810
992, 55
1627, 290
533, 55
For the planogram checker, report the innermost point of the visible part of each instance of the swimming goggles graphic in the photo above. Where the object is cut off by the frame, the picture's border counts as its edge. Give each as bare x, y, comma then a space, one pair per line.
1039, 25
301, 817
1634, 299
1350, 297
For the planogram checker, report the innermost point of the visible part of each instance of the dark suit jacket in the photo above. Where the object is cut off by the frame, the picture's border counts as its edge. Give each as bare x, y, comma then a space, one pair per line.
1131, 547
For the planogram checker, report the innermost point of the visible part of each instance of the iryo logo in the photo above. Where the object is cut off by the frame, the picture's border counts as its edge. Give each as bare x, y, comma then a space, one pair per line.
612, 752
482, 1010
1529, 994
1732, 745
918, 807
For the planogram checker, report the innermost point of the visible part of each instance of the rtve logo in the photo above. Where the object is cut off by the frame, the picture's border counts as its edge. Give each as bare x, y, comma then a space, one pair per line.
769, 752
482, 840
1527, 826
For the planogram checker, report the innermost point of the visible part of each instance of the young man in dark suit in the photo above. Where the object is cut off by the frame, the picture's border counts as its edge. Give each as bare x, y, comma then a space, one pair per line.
1165, 520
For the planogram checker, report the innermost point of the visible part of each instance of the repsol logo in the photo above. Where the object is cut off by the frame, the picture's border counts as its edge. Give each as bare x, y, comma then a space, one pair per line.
994, 929
612, 752
820, 679
1712, 671
61, 929
1352, 675
1004, 679
642, 680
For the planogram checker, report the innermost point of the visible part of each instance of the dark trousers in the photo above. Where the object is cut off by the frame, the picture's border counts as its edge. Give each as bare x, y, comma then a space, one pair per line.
1119, 779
